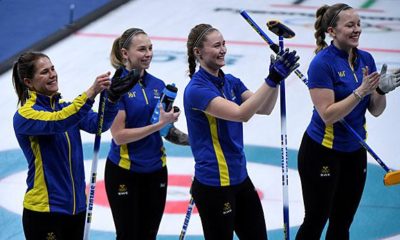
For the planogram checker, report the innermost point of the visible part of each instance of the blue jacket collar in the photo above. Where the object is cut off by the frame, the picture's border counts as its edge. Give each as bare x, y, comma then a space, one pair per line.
345, 55
217, 81
43, 99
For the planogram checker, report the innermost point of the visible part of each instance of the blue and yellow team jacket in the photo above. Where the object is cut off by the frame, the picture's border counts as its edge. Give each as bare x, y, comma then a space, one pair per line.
48, 132
330, 69
217, 144
147, 154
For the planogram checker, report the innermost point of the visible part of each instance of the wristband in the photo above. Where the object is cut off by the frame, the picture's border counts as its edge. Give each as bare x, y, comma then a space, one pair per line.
270, 82
357, 95
380, 91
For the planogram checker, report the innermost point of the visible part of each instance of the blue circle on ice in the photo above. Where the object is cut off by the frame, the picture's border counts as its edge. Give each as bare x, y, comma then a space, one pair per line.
375, 218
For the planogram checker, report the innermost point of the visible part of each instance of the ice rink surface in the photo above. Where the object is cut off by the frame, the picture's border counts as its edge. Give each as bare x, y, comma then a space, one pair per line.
84, 55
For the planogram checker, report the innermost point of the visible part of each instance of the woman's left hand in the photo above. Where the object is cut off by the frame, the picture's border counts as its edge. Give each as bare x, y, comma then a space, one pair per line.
101, 83
369, 82
168, 117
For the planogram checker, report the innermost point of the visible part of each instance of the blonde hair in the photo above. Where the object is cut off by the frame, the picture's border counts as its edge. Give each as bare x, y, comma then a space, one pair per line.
120, 42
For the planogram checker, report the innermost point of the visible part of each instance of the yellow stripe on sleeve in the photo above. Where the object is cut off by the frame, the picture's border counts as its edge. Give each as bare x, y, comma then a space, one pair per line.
28, 112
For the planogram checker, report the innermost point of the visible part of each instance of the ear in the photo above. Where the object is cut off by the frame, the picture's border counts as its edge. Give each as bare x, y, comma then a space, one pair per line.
28, 83
124, 53
331, 31
196, 52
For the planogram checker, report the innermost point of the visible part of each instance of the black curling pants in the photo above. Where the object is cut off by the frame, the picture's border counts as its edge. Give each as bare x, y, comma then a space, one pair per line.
224, 210
137, 201
332, 184
46, 225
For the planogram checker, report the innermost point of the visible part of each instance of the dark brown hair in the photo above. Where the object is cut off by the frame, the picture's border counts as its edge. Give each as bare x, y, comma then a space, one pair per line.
196, 38
25, 67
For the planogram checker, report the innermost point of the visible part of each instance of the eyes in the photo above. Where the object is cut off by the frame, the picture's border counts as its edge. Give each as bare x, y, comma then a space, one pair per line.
47, 70
219, 44
353, 24
144, 49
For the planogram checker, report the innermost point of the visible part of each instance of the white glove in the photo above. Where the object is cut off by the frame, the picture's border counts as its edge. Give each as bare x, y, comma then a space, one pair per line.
388, 81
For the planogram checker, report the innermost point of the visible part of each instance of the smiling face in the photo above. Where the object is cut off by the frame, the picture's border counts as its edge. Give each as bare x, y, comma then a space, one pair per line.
347, 31
212, 55
45, 80
139, 53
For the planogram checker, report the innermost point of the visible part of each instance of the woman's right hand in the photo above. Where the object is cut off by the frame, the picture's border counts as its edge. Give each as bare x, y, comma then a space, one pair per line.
168, 117
281, 66
101, 83
369, 83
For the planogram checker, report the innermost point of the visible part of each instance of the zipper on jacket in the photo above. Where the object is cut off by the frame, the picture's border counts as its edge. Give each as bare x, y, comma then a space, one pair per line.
144, 93
70, 172
352, 69
52, 103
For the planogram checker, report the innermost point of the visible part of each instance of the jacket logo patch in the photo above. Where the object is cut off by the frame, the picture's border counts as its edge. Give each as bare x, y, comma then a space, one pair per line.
342, 74
132, 94
156, 93
233, 95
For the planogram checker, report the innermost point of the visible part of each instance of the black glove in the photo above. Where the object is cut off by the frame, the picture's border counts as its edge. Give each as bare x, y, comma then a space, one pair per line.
120, 86
178, 137
281, 67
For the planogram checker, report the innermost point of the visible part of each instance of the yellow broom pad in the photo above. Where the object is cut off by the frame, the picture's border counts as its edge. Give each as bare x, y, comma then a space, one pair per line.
392, 178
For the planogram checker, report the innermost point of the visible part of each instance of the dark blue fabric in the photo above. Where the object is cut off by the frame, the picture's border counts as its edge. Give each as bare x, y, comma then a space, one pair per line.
330, 69
25, 22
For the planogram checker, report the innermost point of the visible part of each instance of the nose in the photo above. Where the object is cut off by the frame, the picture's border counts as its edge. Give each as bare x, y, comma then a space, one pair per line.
223, 49
149, 52
53, 73
357, 28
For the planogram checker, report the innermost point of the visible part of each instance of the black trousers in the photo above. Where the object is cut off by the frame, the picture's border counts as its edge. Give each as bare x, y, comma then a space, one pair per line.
224, 210
45, 225
332, 184
137, 201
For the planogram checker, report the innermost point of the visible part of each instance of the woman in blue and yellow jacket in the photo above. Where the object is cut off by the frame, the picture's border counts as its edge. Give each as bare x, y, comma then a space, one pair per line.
216, 105
48, 132
136, 175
